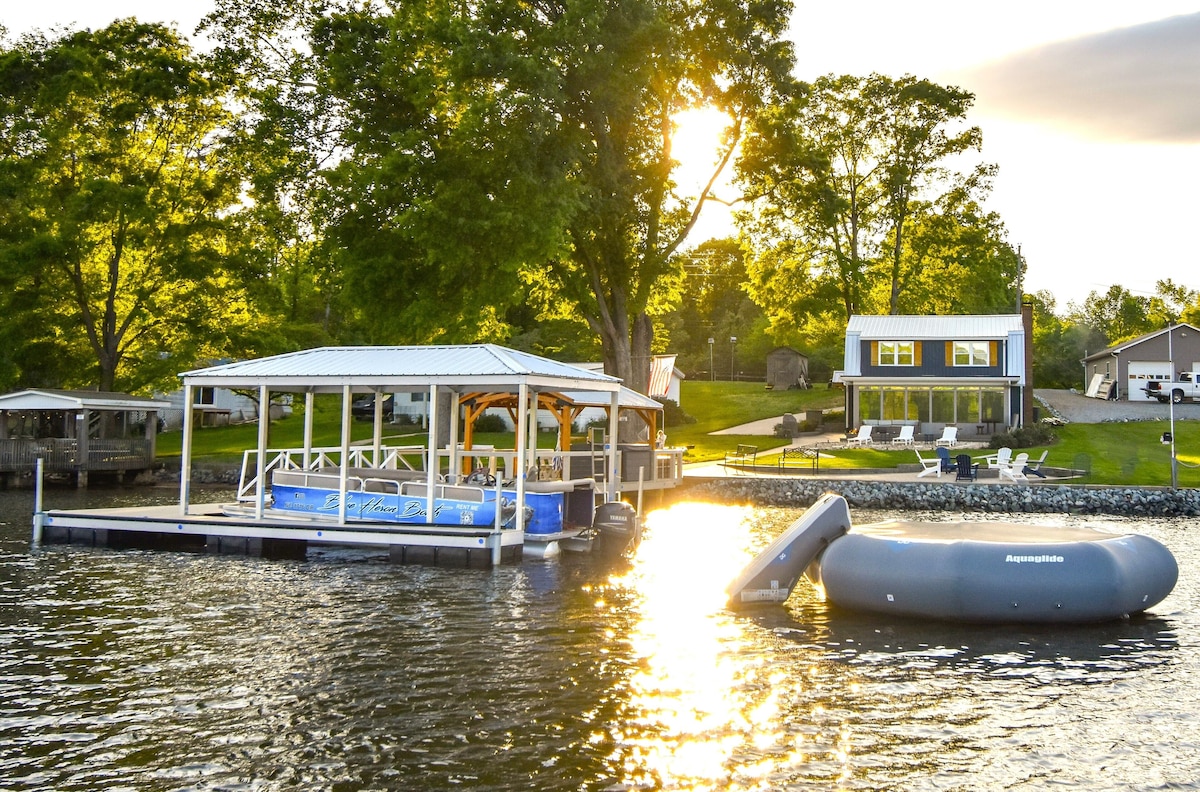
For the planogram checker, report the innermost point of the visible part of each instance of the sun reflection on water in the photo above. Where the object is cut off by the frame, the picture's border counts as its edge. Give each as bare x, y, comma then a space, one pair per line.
705, 712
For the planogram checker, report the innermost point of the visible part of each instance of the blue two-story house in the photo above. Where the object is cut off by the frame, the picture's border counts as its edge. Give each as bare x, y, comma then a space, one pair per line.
973, 372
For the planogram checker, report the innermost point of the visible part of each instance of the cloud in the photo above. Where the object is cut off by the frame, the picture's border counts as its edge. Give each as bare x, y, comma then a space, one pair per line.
1139, 83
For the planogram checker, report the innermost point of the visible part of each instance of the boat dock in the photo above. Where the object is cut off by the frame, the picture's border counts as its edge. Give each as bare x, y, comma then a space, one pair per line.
210, 528
441, 502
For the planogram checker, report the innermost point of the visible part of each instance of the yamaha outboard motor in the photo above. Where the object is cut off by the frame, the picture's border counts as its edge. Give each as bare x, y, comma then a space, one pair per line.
617, 529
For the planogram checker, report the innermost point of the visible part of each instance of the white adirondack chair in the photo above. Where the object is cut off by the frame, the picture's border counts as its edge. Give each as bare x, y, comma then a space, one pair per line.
928, 465
1015, 470
999, 459
864, 435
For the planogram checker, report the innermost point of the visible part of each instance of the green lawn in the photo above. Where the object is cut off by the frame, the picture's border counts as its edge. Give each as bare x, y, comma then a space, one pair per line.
1117, 453
720, 405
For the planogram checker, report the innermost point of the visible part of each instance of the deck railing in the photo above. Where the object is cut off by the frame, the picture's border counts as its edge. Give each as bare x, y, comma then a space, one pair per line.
662, 467
61, 455
292, 459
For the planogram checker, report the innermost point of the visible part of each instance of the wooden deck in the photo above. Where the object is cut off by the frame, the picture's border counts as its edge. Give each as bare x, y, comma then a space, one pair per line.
62, 455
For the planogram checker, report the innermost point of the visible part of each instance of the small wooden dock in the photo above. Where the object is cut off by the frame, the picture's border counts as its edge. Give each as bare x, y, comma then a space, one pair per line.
76, 433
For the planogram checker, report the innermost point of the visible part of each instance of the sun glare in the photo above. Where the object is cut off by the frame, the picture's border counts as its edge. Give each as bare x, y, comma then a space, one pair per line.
699, 701
697, 148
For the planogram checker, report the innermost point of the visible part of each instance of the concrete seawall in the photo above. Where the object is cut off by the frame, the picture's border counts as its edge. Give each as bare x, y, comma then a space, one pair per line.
1079, 499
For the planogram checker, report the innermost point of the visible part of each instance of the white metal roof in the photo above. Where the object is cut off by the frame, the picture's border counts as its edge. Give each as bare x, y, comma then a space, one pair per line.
54, 399
921, 328
627, 398
402, 368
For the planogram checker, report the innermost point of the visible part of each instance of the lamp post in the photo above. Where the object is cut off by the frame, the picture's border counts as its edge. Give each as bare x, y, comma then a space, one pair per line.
732, 356
1171, 402
712, 375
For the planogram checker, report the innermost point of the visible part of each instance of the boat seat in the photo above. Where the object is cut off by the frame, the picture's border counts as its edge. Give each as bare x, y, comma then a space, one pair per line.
418, 489
393, 474
566, 485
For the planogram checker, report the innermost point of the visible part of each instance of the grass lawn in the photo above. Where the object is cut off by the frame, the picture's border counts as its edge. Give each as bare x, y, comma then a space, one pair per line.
1117, 453
720, 405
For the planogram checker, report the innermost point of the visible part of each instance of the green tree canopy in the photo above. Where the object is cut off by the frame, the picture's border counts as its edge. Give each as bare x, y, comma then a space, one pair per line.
487, 155
855, 208
113, 196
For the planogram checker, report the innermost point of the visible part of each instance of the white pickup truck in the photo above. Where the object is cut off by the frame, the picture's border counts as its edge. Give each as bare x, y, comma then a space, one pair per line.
1186, 387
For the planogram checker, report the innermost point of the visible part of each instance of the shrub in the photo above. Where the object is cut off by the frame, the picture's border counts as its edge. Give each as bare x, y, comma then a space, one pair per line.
673, 414
488, 422
1037, 434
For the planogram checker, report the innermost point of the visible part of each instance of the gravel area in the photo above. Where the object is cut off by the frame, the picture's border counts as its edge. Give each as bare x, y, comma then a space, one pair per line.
1075, 407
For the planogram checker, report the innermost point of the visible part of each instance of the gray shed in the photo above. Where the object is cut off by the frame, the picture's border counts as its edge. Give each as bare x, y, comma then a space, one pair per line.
787, 368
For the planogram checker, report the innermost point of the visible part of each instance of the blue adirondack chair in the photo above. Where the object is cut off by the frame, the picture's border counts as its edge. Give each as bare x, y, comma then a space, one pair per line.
948, 465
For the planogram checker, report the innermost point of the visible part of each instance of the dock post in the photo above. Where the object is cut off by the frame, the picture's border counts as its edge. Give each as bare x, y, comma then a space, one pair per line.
641, 482
494, 539
39, 517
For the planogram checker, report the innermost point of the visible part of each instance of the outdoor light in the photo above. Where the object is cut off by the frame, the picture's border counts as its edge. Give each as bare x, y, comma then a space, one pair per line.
712, 375
732, 356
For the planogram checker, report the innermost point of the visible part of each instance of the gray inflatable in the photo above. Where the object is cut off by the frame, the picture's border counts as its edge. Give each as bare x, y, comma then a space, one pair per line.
991, 571
772, 575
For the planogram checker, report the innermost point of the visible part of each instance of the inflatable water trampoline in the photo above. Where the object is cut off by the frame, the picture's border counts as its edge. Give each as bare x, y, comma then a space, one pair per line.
961, 571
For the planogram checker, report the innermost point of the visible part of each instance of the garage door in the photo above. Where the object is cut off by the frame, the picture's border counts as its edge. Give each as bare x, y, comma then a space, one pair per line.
1141, 372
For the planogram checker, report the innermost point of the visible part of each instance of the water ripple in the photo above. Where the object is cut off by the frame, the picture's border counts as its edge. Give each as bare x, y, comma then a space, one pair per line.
139, 670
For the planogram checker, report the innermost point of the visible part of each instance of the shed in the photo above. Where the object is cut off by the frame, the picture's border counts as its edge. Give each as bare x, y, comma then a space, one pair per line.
77, 432
787, 368
1121, 371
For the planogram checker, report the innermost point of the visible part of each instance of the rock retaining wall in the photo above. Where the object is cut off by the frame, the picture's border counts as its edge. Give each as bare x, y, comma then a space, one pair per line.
1127, 501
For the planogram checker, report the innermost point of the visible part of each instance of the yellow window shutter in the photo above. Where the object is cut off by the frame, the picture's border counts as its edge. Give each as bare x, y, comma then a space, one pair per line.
949, 353
875, 353
993, 352
917, 353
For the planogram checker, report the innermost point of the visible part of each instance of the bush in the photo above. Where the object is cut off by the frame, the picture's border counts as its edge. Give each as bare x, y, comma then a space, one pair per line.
489, 422
1038, 434
673, 414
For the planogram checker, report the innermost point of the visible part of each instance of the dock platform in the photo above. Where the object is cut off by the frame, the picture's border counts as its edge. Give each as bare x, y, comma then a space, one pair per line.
211, 528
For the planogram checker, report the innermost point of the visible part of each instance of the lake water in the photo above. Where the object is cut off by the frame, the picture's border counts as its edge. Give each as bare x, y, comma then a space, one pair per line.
128, 670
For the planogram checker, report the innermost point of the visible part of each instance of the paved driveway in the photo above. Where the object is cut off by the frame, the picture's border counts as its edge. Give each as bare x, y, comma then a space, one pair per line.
1077, 408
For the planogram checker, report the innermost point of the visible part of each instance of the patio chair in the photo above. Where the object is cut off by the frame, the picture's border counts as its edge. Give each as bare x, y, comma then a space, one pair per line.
943, 453
1015, 470
1034, 466
949, 436
999, 459
968, 469
864, 435
906, 435
929, 464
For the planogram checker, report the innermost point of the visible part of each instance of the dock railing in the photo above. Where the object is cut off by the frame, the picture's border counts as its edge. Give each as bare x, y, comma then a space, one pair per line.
323, 458
663, 467
61, 455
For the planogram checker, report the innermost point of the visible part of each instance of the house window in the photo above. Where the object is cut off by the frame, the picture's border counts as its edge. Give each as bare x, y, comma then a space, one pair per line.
868, 404
896, 353
972, 353
206, 396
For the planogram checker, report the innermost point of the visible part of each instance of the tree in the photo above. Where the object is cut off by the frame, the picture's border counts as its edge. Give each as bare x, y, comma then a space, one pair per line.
714, 304
494, 153
1119, 315
115, 200
853, 203
1059, 345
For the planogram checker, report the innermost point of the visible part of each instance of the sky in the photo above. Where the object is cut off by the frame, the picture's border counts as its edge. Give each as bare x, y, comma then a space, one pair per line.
1091, 110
